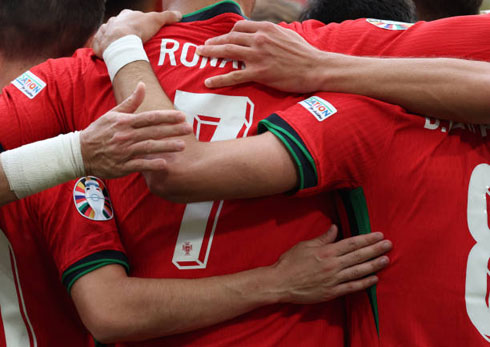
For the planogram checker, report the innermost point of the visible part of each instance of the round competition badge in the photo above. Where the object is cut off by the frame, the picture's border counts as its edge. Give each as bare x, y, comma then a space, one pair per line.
389, 24
92, 199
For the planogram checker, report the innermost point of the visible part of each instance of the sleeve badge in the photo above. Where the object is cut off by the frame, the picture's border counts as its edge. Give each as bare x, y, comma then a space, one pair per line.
92, 200
389, 24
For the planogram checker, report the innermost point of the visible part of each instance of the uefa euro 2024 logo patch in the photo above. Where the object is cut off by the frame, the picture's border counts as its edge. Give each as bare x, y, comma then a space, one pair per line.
318, 107
29, 84
92, 199
389, 24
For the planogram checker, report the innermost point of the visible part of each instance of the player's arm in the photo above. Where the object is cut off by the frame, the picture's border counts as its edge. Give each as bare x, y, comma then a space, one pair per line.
115, 307
112, 146
280, 58
204, 171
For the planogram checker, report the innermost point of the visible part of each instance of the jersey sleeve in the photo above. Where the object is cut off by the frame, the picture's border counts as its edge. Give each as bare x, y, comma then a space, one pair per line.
335, 140
454, 37
76, 221
47, 100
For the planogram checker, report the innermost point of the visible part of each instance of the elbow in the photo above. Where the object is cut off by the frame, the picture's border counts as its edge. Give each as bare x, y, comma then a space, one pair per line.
106, 330
101, 299
166, 188
105, 324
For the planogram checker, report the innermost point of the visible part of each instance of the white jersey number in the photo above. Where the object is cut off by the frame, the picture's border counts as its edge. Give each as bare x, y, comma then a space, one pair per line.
11, 305
214, 118
478, 268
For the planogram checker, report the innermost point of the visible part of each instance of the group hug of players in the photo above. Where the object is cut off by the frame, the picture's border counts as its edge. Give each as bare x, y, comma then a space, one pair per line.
161, 258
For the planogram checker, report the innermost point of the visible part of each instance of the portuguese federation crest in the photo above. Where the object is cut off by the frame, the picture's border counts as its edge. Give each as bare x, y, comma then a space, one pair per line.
92, 199
389, 24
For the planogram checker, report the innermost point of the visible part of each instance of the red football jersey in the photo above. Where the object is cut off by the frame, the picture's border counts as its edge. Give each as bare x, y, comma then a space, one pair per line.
197, 240
425, 184
460, 37
203, 239
35, 307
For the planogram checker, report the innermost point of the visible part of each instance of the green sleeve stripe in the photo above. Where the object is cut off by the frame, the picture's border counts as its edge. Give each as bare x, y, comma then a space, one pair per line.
95, 267
276, 130
295, 157
76, 268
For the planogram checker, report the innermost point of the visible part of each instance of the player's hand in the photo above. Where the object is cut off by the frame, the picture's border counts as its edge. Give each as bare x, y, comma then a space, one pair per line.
143, 25
274, 56
321, 269
118, 143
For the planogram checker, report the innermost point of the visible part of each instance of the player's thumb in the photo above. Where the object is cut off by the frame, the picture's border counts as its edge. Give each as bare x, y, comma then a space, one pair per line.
328, 237
132, 102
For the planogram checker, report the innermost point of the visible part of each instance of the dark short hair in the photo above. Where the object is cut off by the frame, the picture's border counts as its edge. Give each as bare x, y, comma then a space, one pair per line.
435, 9
47, 28
336, 11
113, 7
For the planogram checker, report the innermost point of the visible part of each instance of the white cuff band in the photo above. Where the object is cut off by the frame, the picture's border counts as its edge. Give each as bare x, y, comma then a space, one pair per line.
123, 51
44, 164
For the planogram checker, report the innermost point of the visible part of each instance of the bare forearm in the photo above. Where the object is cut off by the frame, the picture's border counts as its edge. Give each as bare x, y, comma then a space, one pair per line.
452, 89
244, 168
132, 309
128, 78
117, 308
445, 88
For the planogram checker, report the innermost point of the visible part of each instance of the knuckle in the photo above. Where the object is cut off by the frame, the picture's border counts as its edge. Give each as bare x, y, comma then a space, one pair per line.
355, 273
358, 256
228, 48
148, 146
122, 120
119, 138
353, 243
261, 39
268, 26
350, 287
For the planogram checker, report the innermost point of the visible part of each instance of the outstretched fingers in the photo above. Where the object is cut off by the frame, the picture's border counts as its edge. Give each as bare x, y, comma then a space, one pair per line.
354, 286
364, 269
357, 242
228, 80
150, 118
156, 147
144, 165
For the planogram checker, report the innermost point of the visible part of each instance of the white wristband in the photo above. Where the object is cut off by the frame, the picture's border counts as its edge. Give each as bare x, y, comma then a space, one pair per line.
123, 51
44, 164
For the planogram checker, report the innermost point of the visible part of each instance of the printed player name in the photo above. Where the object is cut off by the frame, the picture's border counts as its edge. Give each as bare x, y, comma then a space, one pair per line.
173, 52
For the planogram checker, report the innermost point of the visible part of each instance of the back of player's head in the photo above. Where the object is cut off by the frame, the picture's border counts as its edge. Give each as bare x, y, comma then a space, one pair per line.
328, 11
47, 28
113, 7
435, 9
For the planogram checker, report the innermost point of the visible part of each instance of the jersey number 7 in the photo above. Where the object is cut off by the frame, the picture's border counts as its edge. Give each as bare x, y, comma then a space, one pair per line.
214, 118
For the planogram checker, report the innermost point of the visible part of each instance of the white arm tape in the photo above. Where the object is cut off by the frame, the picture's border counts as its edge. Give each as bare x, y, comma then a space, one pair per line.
44, 164
123, 51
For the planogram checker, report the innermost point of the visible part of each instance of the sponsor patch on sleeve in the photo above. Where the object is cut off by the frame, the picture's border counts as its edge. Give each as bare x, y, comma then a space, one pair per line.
92, 199
389, 24
29, 84
318, 107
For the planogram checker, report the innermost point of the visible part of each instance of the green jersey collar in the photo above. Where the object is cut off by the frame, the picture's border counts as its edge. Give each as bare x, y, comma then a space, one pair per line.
226, 6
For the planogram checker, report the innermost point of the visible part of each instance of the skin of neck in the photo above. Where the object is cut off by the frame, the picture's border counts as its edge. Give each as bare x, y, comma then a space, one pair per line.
189, 6
11, 69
